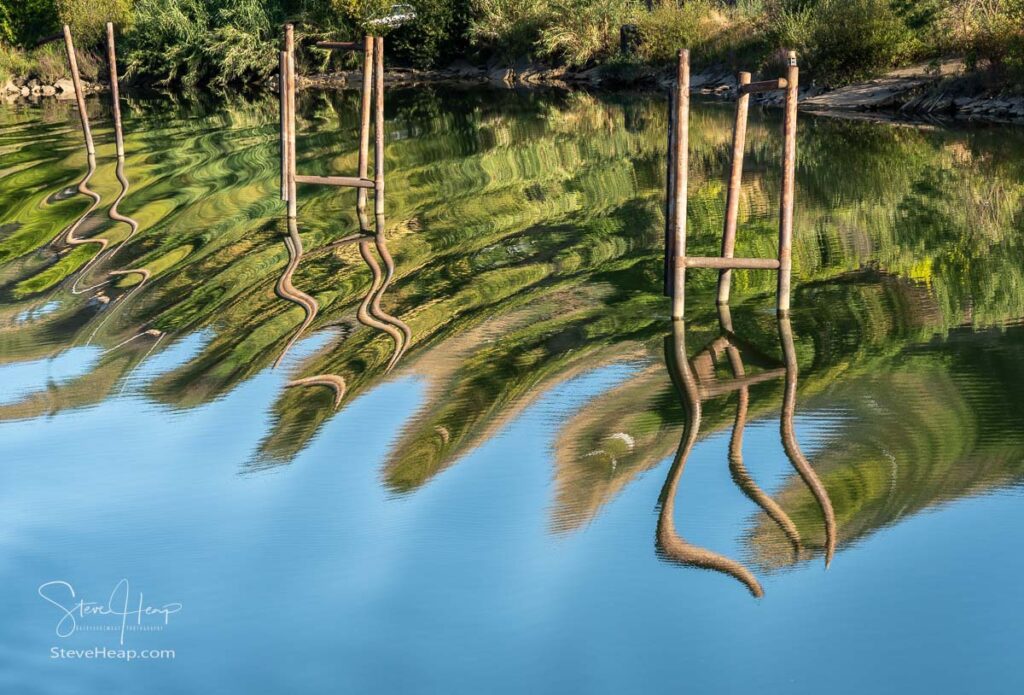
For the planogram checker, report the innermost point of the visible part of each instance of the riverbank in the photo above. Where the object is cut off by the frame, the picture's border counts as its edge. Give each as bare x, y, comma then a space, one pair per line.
943, 89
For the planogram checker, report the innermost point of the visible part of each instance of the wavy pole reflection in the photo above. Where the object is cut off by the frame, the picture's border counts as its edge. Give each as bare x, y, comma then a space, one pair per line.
791, 445
669, 543
113, 212
115, 97
405, 338
369, 312
737, 468
287, 291
694, 390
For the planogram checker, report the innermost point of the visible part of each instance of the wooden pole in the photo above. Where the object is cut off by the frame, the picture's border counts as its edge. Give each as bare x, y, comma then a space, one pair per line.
378, 133
681, 137
115, 93
732, 199
283, 98
79, 96
364, 123
289, 34
670, 250
788, 186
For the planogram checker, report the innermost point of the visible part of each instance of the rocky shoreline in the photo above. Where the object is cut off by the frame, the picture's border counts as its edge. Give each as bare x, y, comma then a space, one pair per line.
32, 89
923, 91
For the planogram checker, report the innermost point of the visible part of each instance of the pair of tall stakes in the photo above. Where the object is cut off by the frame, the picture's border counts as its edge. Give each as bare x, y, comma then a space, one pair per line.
676, 260
76, 80
372, 91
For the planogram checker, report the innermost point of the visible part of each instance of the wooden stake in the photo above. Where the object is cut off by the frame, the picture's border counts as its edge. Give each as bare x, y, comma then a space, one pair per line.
681, 138
76, 79
364, 123
670, 250
283, 98
788, 186
732, 199
378, 131
289, 35
115, 93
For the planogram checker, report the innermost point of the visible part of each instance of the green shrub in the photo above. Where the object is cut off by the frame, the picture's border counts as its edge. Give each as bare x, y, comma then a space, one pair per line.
6, 27
29, 20
507, 28
13, 63
578, 31
698, 25
842, 40
48, 63
437, 34
217, 42
88, 18
991, 31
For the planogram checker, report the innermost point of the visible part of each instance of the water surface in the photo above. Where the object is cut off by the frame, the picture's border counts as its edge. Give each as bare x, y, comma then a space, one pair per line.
460, 471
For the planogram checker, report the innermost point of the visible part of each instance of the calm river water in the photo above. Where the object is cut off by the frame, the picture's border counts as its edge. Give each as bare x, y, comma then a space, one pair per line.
447, 460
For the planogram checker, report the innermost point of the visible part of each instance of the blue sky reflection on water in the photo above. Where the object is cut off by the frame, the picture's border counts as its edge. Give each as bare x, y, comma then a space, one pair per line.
483, 517
312, 578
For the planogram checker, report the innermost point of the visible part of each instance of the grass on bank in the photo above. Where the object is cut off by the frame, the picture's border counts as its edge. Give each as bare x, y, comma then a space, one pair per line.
222, 42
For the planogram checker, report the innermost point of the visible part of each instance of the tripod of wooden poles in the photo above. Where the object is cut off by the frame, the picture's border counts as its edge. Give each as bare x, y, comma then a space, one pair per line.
676, 260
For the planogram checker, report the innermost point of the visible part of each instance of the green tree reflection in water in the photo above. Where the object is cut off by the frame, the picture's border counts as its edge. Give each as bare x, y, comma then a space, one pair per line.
526, 232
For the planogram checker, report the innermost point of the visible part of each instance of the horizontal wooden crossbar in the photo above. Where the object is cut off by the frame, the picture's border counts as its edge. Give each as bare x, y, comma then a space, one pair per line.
766, 86
721, 387
723, 263
49, 39
340, 45
351, 181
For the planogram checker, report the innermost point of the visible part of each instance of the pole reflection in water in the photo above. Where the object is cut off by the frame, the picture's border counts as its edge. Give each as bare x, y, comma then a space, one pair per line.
696, 382
737, 469
113, 213
369, 312
791, 446
287, 291
115, 97
669, 543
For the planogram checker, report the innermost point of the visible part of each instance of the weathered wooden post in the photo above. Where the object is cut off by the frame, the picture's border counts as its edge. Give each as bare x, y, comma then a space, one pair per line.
115, 94
732, 199
281, 80
378, 134
289, 177
76, 79
788, 186
670, 203
680, 166
364, 123
289, 40
727, 262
